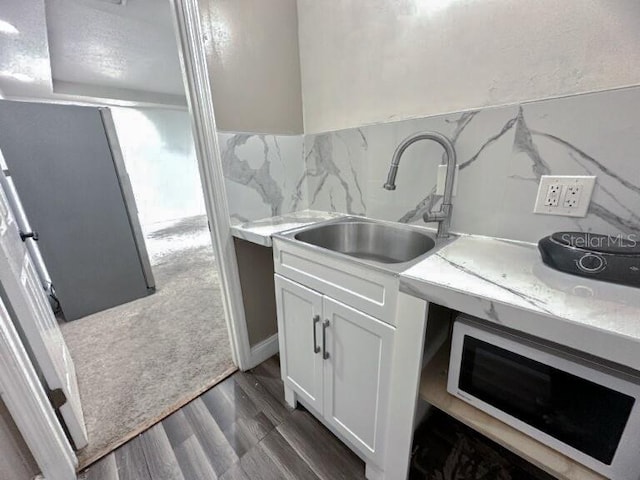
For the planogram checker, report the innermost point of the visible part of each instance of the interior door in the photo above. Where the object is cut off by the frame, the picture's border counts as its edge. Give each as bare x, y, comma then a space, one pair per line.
299, 314
66, 166
356, 375
22, 292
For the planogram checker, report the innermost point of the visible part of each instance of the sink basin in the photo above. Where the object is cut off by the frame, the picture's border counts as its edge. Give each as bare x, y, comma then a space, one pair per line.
369, 240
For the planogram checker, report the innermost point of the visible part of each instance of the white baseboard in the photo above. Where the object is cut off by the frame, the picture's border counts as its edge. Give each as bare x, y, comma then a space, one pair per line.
263, 350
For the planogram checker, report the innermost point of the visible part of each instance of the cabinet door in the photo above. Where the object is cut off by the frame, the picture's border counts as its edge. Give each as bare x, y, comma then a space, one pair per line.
356, 375
299, 318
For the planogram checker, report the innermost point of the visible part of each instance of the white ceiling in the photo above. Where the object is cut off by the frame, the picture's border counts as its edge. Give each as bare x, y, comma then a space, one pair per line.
90, 48
24, 54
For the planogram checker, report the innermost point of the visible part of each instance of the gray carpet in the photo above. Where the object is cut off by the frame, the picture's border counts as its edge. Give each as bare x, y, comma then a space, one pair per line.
140, 361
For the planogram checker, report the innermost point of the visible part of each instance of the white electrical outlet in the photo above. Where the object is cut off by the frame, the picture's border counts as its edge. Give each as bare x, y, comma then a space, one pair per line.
564, 195
553, 195
572, 196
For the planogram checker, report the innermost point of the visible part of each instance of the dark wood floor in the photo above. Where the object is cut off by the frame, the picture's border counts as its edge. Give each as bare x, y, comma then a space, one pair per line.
240, 429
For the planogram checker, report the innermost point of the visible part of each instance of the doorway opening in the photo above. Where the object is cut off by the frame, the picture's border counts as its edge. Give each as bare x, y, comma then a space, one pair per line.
137, 360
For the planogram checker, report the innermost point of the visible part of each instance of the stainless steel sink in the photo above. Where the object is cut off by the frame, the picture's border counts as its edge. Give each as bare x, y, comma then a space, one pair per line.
369, 240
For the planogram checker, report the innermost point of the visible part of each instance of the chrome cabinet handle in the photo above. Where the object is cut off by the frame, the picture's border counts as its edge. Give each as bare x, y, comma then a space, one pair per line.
325, 325
316, 348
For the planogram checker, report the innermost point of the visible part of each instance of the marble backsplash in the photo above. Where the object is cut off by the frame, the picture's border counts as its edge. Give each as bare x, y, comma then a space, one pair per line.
262, 174
502, 152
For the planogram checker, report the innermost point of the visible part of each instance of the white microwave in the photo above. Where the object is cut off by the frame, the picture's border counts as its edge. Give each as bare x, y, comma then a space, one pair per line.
588, 412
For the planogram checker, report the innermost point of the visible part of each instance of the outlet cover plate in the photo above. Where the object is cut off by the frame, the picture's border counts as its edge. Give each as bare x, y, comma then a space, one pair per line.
567, 195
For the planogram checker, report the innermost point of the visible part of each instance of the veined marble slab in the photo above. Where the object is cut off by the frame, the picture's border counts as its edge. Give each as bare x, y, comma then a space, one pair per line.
505, 282
262, 174
502, 153
260, 231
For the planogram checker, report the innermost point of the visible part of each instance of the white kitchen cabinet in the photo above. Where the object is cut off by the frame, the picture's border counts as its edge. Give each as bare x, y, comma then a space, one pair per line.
356, 374
342, 373
299, 312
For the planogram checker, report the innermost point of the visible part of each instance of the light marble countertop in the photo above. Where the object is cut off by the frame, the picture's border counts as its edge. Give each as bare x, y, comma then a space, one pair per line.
505, 282
260, 231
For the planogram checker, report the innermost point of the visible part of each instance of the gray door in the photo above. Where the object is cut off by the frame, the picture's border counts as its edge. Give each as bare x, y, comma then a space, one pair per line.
62, 167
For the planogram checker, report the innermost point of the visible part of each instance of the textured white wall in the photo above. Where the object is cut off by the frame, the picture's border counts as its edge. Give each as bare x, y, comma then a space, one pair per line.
380, 60
254, 66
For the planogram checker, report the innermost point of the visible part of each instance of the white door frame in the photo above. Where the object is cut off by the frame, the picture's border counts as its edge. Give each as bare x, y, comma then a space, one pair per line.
29, 406
195, 74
